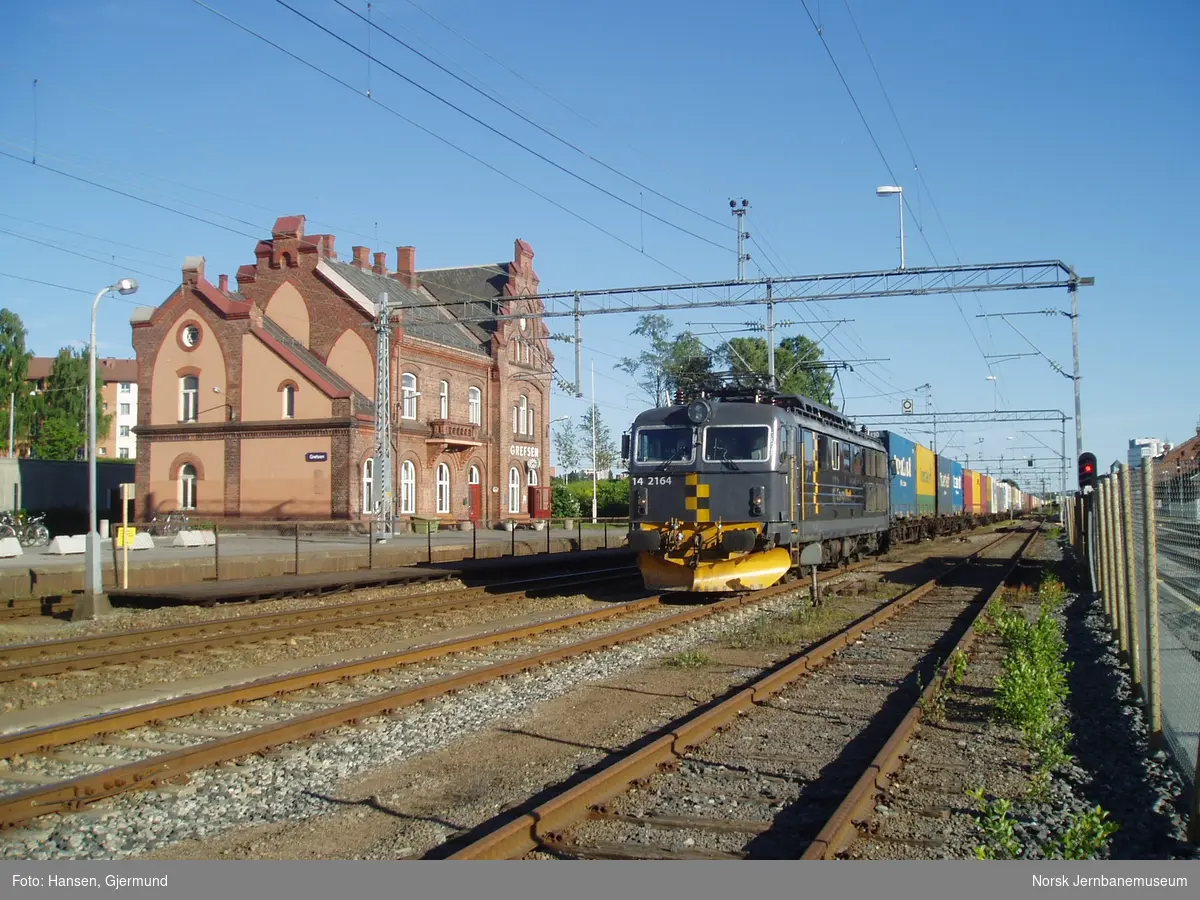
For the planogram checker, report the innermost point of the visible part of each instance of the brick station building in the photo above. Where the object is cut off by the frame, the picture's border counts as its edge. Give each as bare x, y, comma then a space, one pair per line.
260, 402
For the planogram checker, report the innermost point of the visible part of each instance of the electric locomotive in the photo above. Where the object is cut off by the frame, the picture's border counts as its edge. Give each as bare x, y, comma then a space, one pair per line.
741, 487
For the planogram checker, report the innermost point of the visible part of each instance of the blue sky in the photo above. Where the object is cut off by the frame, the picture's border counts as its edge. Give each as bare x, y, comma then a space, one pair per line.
1042, 131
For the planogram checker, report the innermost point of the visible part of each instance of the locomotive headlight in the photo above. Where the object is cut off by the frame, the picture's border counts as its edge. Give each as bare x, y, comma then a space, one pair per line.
640, 501
756, 500
699, 411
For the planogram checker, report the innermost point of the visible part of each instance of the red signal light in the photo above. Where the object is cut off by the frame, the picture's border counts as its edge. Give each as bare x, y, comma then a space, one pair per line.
1087, 468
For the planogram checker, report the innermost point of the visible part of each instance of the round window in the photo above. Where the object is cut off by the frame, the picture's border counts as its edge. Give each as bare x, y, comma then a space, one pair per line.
191, 335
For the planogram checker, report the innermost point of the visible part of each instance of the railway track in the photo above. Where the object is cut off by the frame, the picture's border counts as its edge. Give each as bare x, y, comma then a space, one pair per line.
26, 607
78, 654
782, 767
76, 763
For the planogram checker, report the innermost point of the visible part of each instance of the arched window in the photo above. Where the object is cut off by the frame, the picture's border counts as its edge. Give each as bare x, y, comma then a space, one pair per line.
443, 488
516, 419
473, 475
189, 398
408, 488
474, 406
289, 401
368, 485
444, 399
514, 490
533, 478
187, 486
408, 391
524, 417
532, 429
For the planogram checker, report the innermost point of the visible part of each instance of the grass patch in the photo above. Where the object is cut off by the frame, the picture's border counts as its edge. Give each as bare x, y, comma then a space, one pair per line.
689, 659
800, 626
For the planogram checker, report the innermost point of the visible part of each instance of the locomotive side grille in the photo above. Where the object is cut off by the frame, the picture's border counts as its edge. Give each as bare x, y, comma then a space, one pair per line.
696, 497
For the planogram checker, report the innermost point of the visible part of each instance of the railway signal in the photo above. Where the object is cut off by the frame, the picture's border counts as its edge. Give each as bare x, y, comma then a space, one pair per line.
1087, 472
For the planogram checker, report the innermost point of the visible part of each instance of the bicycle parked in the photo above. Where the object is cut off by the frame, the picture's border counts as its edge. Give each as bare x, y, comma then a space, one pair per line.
31, 532
35, 533
170, 524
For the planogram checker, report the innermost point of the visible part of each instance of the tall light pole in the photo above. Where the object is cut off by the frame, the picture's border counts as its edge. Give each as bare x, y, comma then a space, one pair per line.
89, 603
593, 442
887, 190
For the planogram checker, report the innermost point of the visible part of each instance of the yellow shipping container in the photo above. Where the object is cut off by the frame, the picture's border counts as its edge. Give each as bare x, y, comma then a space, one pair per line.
926, 482
976, 506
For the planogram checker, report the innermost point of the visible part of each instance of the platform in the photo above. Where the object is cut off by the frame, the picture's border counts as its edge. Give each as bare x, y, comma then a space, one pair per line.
209, 593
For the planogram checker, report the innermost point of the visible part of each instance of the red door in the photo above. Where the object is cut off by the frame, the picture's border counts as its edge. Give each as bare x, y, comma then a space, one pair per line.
475, 496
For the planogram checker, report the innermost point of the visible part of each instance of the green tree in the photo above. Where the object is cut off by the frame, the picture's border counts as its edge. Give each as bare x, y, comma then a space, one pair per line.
606, 452
14, 367
567, 447
58, 438
795, 357
66, 398
670, 363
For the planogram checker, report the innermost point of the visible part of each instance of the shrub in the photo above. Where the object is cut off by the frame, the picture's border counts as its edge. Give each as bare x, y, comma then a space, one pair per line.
563, 503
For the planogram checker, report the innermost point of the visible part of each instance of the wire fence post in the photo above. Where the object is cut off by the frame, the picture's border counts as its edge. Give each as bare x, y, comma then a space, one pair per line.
606, 534
1131, 604
1119, 559
1110, 566
371, 544
549, 529
429, 541
1150, 574
475, 540
513, 537
216, 552
579, 525
296, 532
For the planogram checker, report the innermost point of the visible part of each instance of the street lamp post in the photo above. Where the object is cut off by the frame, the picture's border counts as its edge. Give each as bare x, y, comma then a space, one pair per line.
886, 191
593, 442
92, 602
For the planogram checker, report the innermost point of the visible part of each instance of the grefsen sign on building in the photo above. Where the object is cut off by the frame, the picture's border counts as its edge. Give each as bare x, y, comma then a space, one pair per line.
522, 450
316, 457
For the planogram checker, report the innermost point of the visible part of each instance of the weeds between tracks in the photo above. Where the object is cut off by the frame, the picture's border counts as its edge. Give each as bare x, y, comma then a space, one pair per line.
1031, 694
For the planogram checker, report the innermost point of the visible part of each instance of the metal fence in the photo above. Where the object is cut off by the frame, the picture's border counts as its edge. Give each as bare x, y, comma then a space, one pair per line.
1141, 543
239, 549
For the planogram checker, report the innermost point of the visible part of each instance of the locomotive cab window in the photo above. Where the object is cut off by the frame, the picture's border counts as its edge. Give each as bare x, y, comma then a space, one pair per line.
856, 465
835, 461
659, 445
737, 443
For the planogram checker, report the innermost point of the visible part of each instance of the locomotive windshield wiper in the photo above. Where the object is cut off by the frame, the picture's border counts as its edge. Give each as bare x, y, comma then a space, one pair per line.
677, 454
725, 460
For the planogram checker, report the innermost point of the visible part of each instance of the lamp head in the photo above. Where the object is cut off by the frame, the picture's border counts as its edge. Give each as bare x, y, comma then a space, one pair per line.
126, 286
887, 190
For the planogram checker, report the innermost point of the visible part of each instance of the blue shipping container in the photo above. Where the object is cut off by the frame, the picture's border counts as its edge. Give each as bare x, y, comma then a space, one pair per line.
944, 480
902, 464
958, 486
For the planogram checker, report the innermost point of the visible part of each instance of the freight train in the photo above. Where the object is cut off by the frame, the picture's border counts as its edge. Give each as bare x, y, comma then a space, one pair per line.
742, 487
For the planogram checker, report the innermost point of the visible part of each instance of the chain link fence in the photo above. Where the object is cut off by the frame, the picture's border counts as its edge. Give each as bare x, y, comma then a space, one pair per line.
1143, 551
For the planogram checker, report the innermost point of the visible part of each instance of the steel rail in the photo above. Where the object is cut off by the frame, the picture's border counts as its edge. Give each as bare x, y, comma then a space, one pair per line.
538, 826
77, 792
127, 646
841, 829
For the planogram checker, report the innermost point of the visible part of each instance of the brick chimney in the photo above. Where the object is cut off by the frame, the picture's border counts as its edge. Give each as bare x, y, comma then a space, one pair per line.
193, 270
361, 258
406, 265
380, 267
223, 283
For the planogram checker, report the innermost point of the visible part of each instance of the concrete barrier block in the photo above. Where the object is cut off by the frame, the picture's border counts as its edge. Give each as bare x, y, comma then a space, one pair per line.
193, 538
65, 544
10, 547
142, 541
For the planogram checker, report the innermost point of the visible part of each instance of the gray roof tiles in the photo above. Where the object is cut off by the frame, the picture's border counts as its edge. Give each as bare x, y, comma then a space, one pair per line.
424, 316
